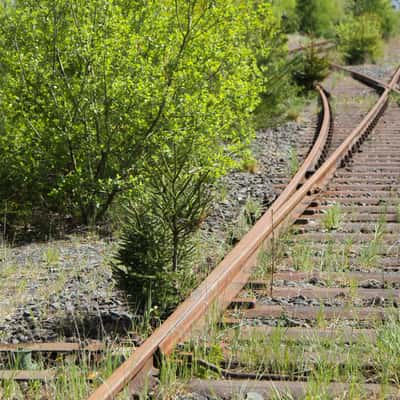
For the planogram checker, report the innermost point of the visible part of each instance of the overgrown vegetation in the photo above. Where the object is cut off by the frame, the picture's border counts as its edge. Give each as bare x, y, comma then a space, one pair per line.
131, 102
94, 94
341, 357
141, 107
389, 19
358, 26
332, 217
319, 17
360, 39
76, 376
370, 252
294, 163
157, 239
361, 34
286, 11
312, 69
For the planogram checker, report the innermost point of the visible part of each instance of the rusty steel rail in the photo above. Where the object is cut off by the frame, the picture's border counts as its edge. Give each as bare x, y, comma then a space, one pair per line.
323, 45
192, 309
363, 77
314, 157
228, 278
56, 347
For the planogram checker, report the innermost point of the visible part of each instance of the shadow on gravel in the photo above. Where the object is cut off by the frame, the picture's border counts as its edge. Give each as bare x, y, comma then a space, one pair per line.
95, 326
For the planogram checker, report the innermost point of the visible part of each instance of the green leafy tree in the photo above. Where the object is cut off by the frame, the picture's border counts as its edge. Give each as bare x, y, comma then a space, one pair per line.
389, 17
152, 101
360, 39
80, 101
311, 69
319, 17
207, 124
90, 90
286, 11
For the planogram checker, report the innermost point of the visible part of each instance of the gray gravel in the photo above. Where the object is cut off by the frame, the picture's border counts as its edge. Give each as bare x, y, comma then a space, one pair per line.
64, 289
382, 72
336, 301
272, 149
60, 289
286, 322
316, 282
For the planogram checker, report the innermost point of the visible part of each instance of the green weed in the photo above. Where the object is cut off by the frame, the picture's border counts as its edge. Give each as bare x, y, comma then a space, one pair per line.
294, 163
76, 375
249, 164
370, 252
333, 217
264, 263
336, 257
252, 210
248, 215
302, 257
387, 351
398, 213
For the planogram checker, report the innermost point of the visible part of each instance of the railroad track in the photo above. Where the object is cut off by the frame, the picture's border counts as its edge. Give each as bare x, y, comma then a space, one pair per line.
306, 303
321, 46
318, 271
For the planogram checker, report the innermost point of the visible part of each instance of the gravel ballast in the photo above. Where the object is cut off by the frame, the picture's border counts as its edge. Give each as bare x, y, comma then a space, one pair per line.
64, 289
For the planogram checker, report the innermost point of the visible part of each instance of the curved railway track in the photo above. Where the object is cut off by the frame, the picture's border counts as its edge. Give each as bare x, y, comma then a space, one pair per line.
319, 270
333, 276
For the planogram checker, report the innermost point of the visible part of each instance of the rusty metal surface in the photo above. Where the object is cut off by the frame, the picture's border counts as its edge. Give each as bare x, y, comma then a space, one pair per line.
25, 376
216, 284
312, 313
332, 276
226, 281
56, 347
363, 77
322, 45
344, 335
326, 293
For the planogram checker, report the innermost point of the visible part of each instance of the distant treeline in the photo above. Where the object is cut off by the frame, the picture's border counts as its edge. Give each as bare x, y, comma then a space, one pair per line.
321, 17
